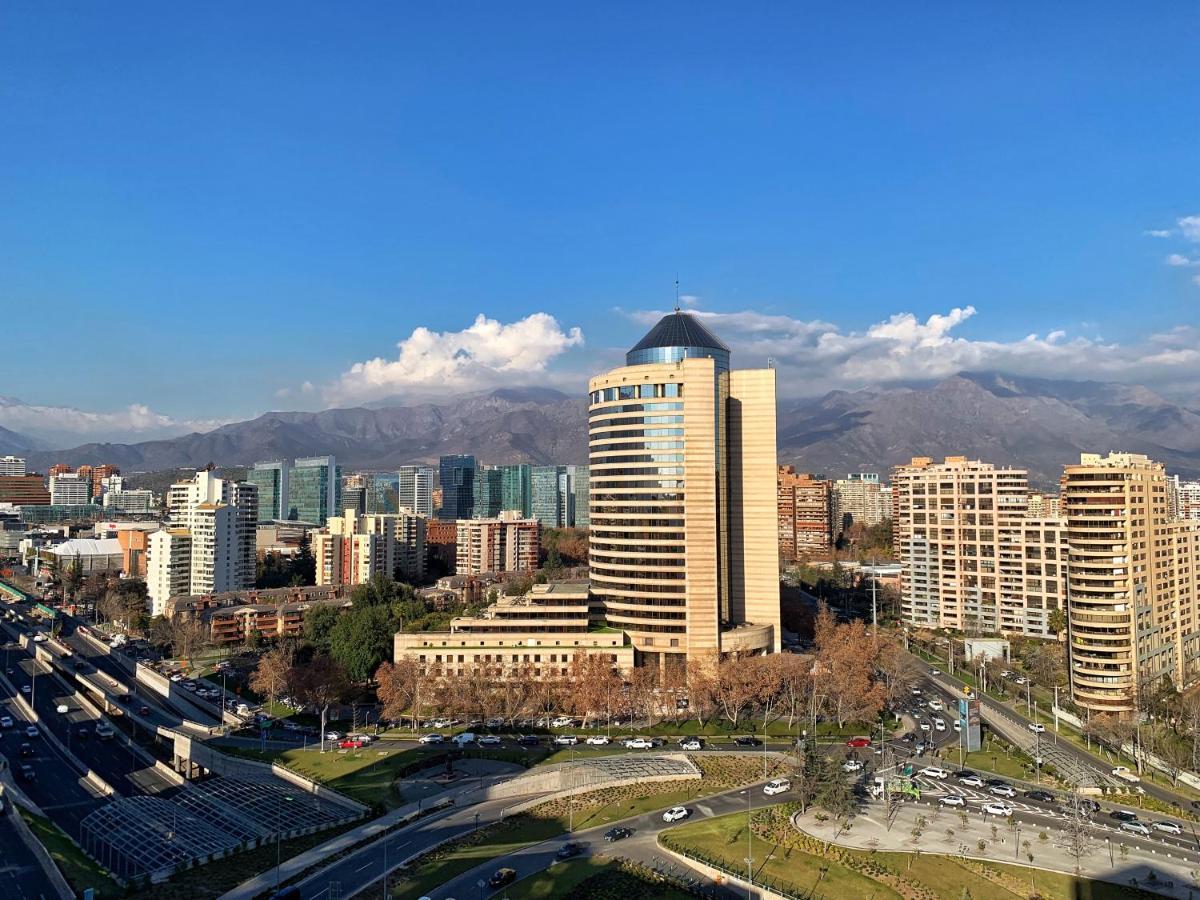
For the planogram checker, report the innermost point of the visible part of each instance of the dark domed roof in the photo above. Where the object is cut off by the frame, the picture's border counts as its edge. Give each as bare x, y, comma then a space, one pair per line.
679, 329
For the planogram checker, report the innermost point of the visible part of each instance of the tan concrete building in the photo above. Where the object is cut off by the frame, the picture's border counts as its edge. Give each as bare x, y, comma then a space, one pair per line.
859, 499
683, 543
507, 543
805, 515
537, 636
1134, 574
971, 557
353, 548
1047, 506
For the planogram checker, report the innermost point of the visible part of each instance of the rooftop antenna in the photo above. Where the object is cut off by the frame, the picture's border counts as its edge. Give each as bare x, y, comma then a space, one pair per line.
677, 293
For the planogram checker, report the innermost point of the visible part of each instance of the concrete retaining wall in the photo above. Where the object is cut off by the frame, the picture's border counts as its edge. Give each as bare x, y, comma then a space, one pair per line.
719, 877
1149, 759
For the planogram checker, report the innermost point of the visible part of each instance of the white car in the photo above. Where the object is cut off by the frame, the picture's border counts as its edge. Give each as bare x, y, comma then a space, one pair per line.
957, 725
26, 690
1136, 828
935, 772
936, 705
562, 722
32, 732
998, 809
1167, 827
676, 814
939, 725
924, 726
935, 671
62, 709
778, 786
916, 692
1021, 679
1002, 790
6, 722
433, 739
1037, 727
489, 740
38, 638
177, 678
598, 740
972, 781
566, 740
441, 723
638, 744
952, 800
691, 744
852, 765
333, 735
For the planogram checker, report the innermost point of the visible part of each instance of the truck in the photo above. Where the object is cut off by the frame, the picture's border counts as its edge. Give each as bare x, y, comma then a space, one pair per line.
1125, 774
463, 739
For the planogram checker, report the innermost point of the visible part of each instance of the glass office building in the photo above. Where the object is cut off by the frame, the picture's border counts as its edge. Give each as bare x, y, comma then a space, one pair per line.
516, 488
489, 492
414, 489
383, 490
314, 490
545, 495
456, 474
272, 480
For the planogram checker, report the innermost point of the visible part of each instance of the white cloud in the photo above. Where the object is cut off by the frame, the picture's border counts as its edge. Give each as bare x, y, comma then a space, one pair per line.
488, 353
1157, 232
1196, 280
815, 356
1178, 259
64, 426
1189, 227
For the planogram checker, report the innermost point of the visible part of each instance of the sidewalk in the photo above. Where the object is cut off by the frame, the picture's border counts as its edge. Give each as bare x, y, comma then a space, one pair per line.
944, 832
265, 881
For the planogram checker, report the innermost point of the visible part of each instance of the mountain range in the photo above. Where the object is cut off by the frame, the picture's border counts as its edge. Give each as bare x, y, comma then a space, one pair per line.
1039, 424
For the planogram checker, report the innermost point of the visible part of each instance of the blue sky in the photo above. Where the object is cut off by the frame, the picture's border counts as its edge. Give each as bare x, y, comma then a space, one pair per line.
236, 201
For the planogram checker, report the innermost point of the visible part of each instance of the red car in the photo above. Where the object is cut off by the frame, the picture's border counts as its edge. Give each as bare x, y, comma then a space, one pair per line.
350, 744
858, 742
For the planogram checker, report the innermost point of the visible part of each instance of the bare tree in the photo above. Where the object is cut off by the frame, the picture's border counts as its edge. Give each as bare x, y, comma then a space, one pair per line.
273, 673
1076, 834
397, 687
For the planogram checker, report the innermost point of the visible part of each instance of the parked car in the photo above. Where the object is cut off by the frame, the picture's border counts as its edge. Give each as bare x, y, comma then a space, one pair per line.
1135, 828
566, 740
528, 740
952, 800
562, 722
998, 809
777, 786
676, 814
1002, 790
598, 740
638, 744
935, 772
852, 765
1123, 815
433, 739
350, 744
691, 744
489, 740
502, 878
748, 740
858, 742
333, 735
1040, 796
1167, 827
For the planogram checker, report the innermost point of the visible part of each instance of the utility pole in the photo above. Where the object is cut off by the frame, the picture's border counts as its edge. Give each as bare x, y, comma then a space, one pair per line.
874, 608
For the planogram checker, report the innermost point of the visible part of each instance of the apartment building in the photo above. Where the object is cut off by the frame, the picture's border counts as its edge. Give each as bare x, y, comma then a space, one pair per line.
209, 544
683, 542
354, 548
971, 557
1134, 580
70, 489
859, 499
1047, 506
805, 515
12, 466
537, 635
507, 543
24, 490
415, 489
138, 502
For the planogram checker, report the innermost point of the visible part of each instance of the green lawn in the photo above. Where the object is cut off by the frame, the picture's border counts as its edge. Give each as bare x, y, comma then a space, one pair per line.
77, 868
724, 839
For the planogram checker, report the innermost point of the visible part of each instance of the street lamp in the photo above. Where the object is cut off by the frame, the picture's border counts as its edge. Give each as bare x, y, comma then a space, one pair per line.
279, 835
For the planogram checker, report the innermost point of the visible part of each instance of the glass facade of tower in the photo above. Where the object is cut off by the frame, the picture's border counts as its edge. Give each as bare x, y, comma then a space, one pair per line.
545, 498
457, 477
488, 491
382, 492
314, 490
414, 489
516, 488
582, 483
271, 479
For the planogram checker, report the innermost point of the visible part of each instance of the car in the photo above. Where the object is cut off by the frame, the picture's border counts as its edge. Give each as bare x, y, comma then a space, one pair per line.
32, 732
1040, 796
566, 740
26, 750
1037, 727
1020, 679
27, 772
143, 710
925, 726
333, 735
529, 740
935, 671
433, 738
919, 749
935, 772
6, 722
956, 725
495, 723
62, 709
1125, 774
638, 743
936, 704
562, 722
858, 742
776, 786
502, 878
1002, 790
909, 738
39, 638
691, 744
1007, 673
349, 744
676, 814
995, 782
177, 678
916, 692
1135, 828
598, 740
952, 800
1123, 815
489, 740
965, 773
618, 833
852, 765
1167, 827
747, 740
569, 850
939, 725
442, 723
26, 690
998, 809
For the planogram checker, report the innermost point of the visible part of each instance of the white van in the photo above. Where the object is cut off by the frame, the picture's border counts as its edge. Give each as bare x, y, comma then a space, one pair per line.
463, 739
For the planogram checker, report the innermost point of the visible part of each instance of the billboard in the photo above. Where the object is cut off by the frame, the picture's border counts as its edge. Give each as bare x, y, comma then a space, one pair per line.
969, 722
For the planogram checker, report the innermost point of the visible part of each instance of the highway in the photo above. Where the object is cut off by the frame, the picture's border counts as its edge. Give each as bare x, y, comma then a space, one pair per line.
21, 876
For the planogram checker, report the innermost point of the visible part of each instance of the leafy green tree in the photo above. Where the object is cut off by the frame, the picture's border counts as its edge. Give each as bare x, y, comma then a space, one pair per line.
304, 564
1057, 621
72, 578
834, 794
361, 640
379, 591
318, 626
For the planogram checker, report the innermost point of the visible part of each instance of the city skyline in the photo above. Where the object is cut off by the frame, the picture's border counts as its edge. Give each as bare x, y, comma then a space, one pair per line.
922, 248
